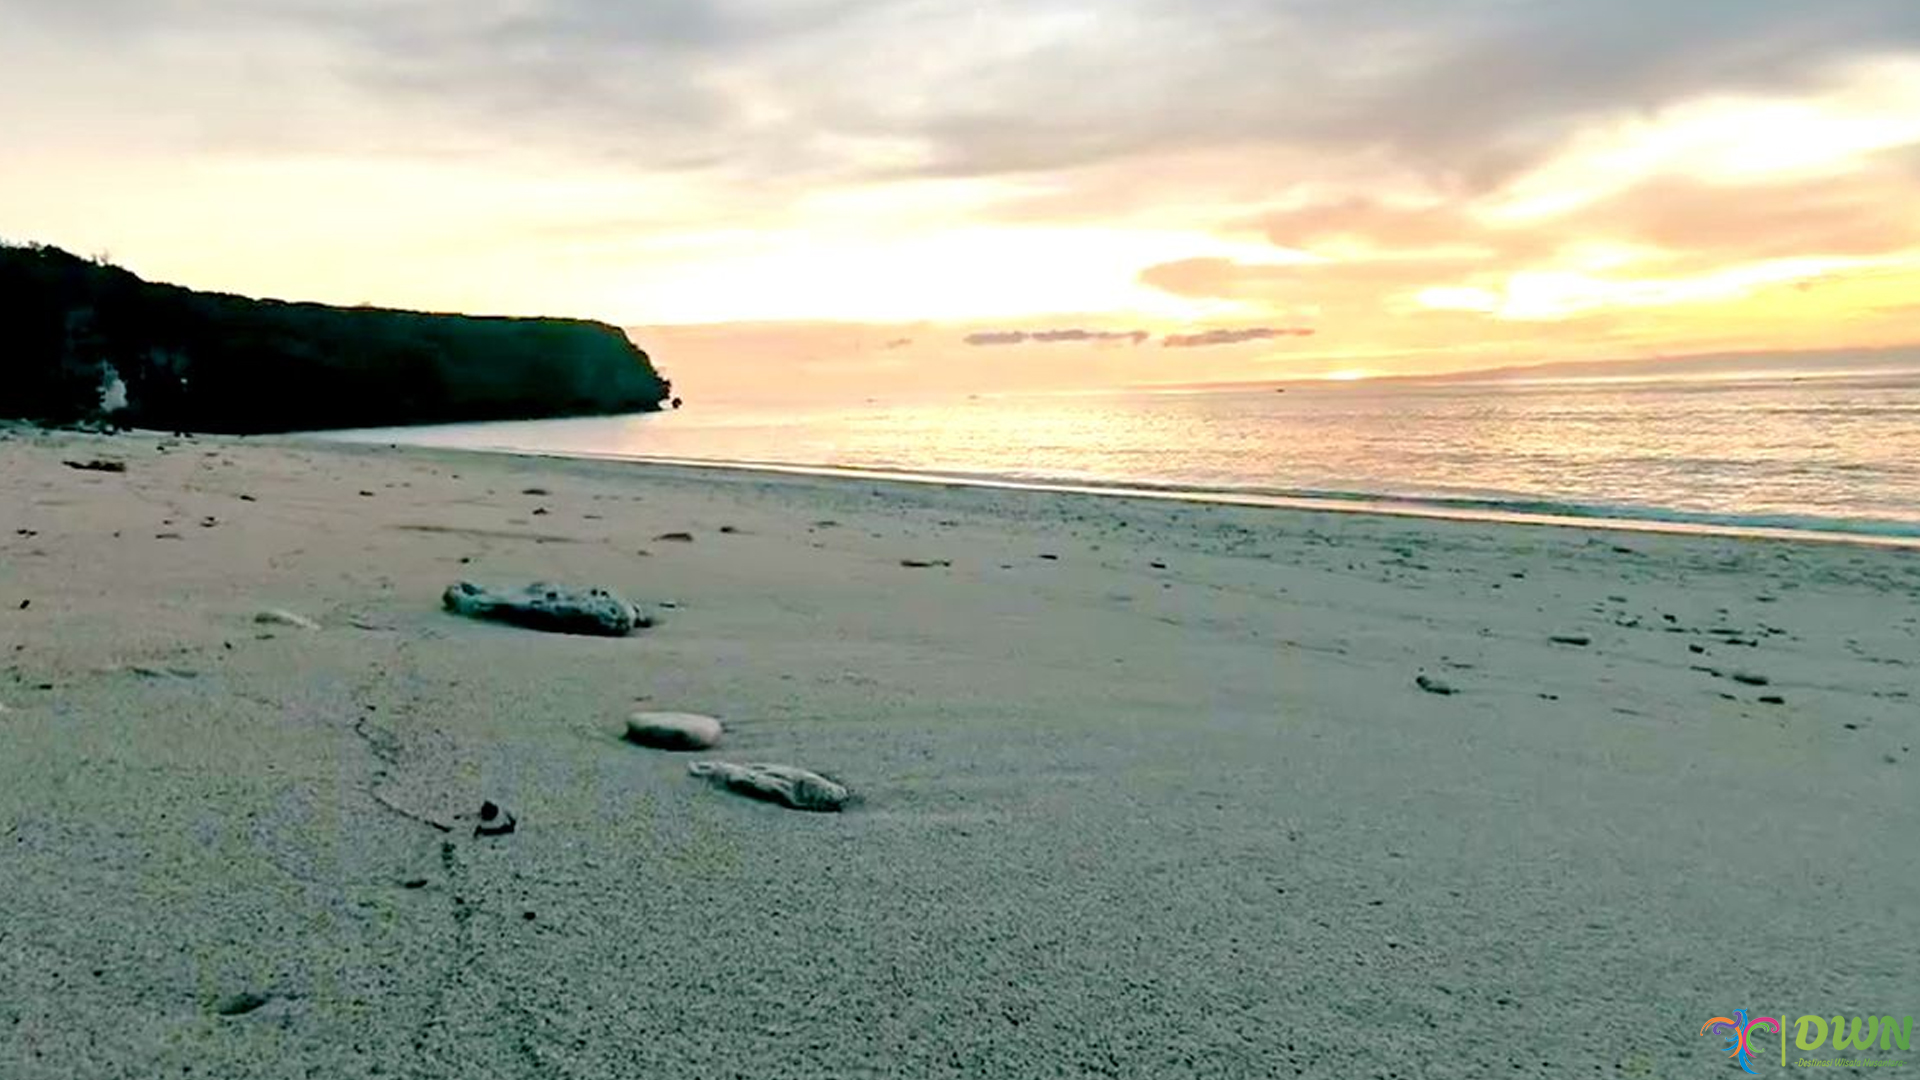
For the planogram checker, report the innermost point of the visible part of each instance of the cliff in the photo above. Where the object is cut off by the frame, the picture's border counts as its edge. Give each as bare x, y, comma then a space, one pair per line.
77, 335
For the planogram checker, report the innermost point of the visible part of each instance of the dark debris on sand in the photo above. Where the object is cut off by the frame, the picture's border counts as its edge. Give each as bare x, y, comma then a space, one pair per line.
494, 821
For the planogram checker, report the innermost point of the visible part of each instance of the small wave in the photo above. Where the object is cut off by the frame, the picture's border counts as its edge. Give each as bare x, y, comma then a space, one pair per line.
1706, 519
1509, 509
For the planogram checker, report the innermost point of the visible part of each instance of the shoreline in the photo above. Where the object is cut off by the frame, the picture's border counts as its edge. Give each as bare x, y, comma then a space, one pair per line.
1872, 532
1149, 788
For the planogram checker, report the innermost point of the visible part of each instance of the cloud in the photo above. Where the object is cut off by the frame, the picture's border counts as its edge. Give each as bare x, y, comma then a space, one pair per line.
690, 152
1367, 258
1861, 215
1207, 338
1053, 337
1298, 286
1470, 91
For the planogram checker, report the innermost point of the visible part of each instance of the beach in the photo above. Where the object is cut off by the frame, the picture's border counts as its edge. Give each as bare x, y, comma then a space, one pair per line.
1147, 788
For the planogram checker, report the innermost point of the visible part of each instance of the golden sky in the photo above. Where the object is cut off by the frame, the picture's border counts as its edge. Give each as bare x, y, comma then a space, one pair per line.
938, 193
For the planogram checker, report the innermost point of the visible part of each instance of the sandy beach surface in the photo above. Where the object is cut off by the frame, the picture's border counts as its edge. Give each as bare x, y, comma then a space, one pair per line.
1149, 789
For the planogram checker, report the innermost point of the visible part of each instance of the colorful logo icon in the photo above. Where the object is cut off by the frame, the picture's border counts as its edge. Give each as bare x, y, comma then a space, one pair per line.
1739, 1026
1856, 1035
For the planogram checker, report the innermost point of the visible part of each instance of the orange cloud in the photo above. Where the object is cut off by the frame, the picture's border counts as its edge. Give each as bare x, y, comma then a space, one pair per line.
1053, 337
1207, 338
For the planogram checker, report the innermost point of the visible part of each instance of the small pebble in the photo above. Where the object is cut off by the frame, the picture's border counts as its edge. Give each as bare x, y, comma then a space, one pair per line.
240, 1004
494, 821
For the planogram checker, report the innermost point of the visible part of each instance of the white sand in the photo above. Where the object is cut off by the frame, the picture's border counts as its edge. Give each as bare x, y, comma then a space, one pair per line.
1118, 820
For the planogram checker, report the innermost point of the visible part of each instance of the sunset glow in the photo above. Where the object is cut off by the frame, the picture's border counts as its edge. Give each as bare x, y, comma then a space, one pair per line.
1442, 206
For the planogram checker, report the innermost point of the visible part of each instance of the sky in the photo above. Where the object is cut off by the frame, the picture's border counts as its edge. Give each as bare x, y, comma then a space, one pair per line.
841, 197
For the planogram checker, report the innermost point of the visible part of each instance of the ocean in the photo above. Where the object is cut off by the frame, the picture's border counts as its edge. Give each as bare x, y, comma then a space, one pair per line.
1833, 455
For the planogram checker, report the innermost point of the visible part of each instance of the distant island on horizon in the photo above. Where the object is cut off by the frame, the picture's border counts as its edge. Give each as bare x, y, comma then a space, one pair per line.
88, 340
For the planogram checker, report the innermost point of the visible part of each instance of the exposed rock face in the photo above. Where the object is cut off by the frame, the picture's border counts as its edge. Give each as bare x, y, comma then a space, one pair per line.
78, 337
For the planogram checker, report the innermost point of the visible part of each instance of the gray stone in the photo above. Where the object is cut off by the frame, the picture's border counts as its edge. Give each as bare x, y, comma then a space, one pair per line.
673, 730
548, 607
241, 1004
794, 788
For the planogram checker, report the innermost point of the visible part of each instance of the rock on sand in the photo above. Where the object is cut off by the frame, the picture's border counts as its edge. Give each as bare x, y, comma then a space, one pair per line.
548, 607
673, 730
796, 789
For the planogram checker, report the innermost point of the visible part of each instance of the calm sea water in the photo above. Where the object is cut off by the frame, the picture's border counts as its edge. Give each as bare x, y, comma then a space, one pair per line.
1834, 454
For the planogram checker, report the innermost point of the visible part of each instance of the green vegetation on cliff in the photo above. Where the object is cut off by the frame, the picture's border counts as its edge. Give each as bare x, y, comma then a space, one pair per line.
75, 335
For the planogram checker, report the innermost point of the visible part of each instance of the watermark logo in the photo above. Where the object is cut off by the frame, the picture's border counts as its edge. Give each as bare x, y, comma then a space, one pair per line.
1859, 1034
1740, 1027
